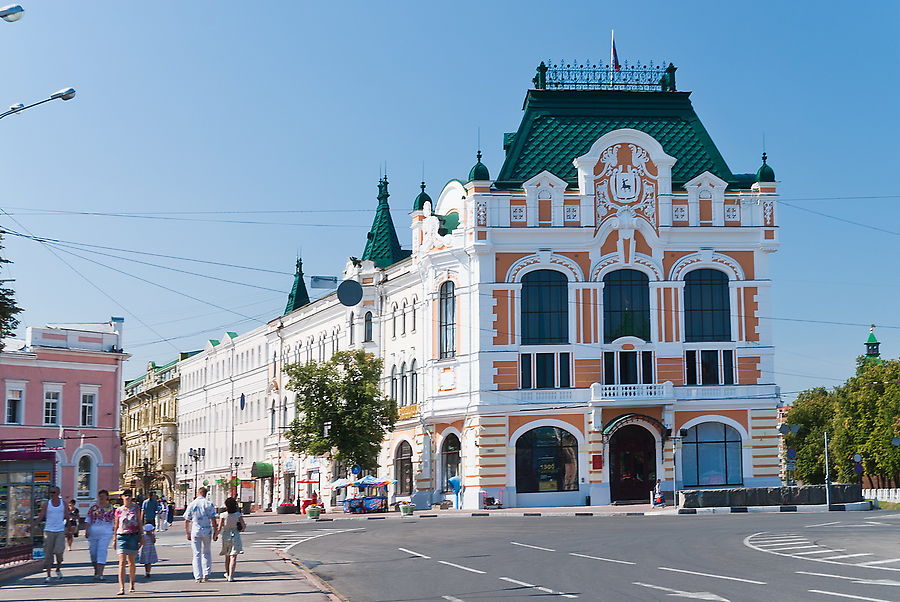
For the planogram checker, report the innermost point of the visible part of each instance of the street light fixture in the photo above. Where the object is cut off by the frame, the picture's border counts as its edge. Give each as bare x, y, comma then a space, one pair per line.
11, 13
64, 94
196, 455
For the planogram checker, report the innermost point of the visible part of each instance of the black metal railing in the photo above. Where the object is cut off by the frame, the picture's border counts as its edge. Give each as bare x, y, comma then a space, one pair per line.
600, 76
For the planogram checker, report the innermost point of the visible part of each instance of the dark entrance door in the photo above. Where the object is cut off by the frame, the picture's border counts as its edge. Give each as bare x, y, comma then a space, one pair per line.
632, 464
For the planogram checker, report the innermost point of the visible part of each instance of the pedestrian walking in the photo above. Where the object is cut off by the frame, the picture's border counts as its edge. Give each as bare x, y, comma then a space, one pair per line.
161, 523
148, 549
53, 511
659, 498
200, 529
128, 521
73, 517
150, 508
170, 513
231, 523
99, 531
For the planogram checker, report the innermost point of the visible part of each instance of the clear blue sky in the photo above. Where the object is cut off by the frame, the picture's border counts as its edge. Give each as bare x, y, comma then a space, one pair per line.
235, 106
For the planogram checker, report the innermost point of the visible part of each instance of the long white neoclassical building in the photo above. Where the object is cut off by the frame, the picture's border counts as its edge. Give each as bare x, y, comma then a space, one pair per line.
567, 333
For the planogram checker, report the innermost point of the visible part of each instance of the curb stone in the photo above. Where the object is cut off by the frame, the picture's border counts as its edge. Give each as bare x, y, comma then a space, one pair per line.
310, 576
851, 507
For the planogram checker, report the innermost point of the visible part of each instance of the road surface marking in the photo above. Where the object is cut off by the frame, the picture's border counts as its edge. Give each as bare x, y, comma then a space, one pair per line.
812, 545
846, 556
599, 558
837, 522
546, 590
451, 599
525, 545
873, 562
681, 594
664, 568
331, 532
839, 595
414, 553
459, 566
819, 552
826, 575
783, 542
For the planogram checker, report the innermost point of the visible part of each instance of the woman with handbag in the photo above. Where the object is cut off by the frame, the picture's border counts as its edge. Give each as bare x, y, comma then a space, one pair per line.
231, 523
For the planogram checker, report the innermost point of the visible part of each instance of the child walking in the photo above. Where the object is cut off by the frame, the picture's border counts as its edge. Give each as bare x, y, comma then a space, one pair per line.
231, 523
148, 550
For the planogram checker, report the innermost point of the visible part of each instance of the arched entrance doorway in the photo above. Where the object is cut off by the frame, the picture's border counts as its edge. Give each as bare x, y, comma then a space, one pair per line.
632, 464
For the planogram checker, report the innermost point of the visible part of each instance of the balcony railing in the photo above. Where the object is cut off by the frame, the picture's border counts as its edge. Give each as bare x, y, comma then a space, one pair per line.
636, 391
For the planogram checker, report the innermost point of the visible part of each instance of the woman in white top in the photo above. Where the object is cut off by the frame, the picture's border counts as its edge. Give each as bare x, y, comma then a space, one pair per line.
231, 523
54, 513
99, 522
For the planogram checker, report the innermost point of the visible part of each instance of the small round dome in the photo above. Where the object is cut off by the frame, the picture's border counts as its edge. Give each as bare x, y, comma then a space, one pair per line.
480, 171
765, 173
419, 203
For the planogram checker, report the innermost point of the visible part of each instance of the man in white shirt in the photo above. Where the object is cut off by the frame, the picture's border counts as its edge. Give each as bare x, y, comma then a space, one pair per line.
200, 529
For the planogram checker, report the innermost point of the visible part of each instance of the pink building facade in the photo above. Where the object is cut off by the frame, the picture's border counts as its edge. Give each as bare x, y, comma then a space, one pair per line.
64, 381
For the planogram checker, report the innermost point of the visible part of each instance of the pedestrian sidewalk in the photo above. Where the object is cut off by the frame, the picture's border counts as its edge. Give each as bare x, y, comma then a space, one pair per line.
260, 574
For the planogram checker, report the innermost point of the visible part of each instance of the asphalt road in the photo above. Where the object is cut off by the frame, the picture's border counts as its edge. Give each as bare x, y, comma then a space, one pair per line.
732, 557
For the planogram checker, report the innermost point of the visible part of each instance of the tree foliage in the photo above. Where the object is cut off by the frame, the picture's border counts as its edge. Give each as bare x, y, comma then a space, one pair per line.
343, 393
861, 416
8, 308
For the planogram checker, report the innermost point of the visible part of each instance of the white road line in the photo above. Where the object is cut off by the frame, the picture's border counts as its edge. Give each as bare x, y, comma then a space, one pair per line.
812, 545
851, 596
414, 553
846, 556
664, 568
546, 590
525, 545
451, 599
333, 531
818, 552
680, 594
459, 566
522, 583
874, 562
827, 575
783, 542
599, 558
837, 522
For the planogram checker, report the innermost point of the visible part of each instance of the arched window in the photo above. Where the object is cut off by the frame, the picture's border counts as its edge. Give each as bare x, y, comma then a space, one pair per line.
711, 455
707, 306
85, 476
450, 459
412, 316
272, 419
545, 308
284, 413
403, 318
352, 329
626, 305
546, 460
403, 469
413, 384
394, 382
403, 382
394, 320
447, 320
367, 327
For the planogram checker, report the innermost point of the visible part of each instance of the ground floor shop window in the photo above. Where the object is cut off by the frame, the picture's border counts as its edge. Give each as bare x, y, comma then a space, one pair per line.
83, 485
546, 460
290, 481
403, 469
711, 455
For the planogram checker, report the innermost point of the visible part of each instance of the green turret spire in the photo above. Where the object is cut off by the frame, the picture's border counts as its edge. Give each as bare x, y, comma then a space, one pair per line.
872, 345
382, 245
298, 296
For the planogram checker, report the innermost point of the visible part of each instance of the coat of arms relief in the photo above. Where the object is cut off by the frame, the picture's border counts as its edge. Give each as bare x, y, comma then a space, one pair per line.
625, 186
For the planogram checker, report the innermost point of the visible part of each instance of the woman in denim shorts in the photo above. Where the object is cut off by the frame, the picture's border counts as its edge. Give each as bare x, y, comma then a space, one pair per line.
128, 537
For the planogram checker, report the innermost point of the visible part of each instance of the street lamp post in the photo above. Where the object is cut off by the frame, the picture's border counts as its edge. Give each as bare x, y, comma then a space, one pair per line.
64, 94
11, 13
196, 455
236, 462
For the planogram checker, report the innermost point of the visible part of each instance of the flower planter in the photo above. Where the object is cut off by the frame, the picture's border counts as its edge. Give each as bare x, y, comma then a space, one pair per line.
407, 509
313, 512
286, 509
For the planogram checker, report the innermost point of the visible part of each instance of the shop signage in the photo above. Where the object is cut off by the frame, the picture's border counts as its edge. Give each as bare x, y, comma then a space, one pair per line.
597, 462
42, 476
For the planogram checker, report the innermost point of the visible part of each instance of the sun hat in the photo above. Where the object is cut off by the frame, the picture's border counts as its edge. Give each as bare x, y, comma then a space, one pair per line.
149, 527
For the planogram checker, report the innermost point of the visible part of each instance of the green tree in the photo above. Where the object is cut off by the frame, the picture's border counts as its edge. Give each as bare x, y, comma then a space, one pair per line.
814, 411
344, 394
8, 307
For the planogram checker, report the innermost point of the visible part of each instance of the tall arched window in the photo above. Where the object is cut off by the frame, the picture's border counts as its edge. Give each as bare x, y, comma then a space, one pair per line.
707, 306
711, 455
546, 460
626, 305
413, 384
85, 476
284, 413
367, 327
447, 320
412, 316
394, 382
352, 331
403, 318
403, 469
394, 320
402, 392
450, 459
545, 308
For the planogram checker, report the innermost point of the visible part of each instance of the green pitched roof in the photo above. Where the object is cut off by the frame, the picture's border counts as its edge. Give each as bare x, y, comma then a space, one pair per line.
872, 338
298, 297
560, 125
382, 245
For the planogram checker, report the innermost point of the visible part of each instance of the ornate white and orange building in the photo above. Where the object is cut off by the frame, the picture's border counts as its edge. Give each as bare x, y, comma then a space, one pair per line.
588, 322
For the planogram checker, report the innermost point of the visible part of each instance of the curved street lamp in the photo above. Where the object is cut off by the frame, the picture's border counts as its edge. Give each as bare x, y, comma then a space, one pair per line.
11, 13
64, 94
